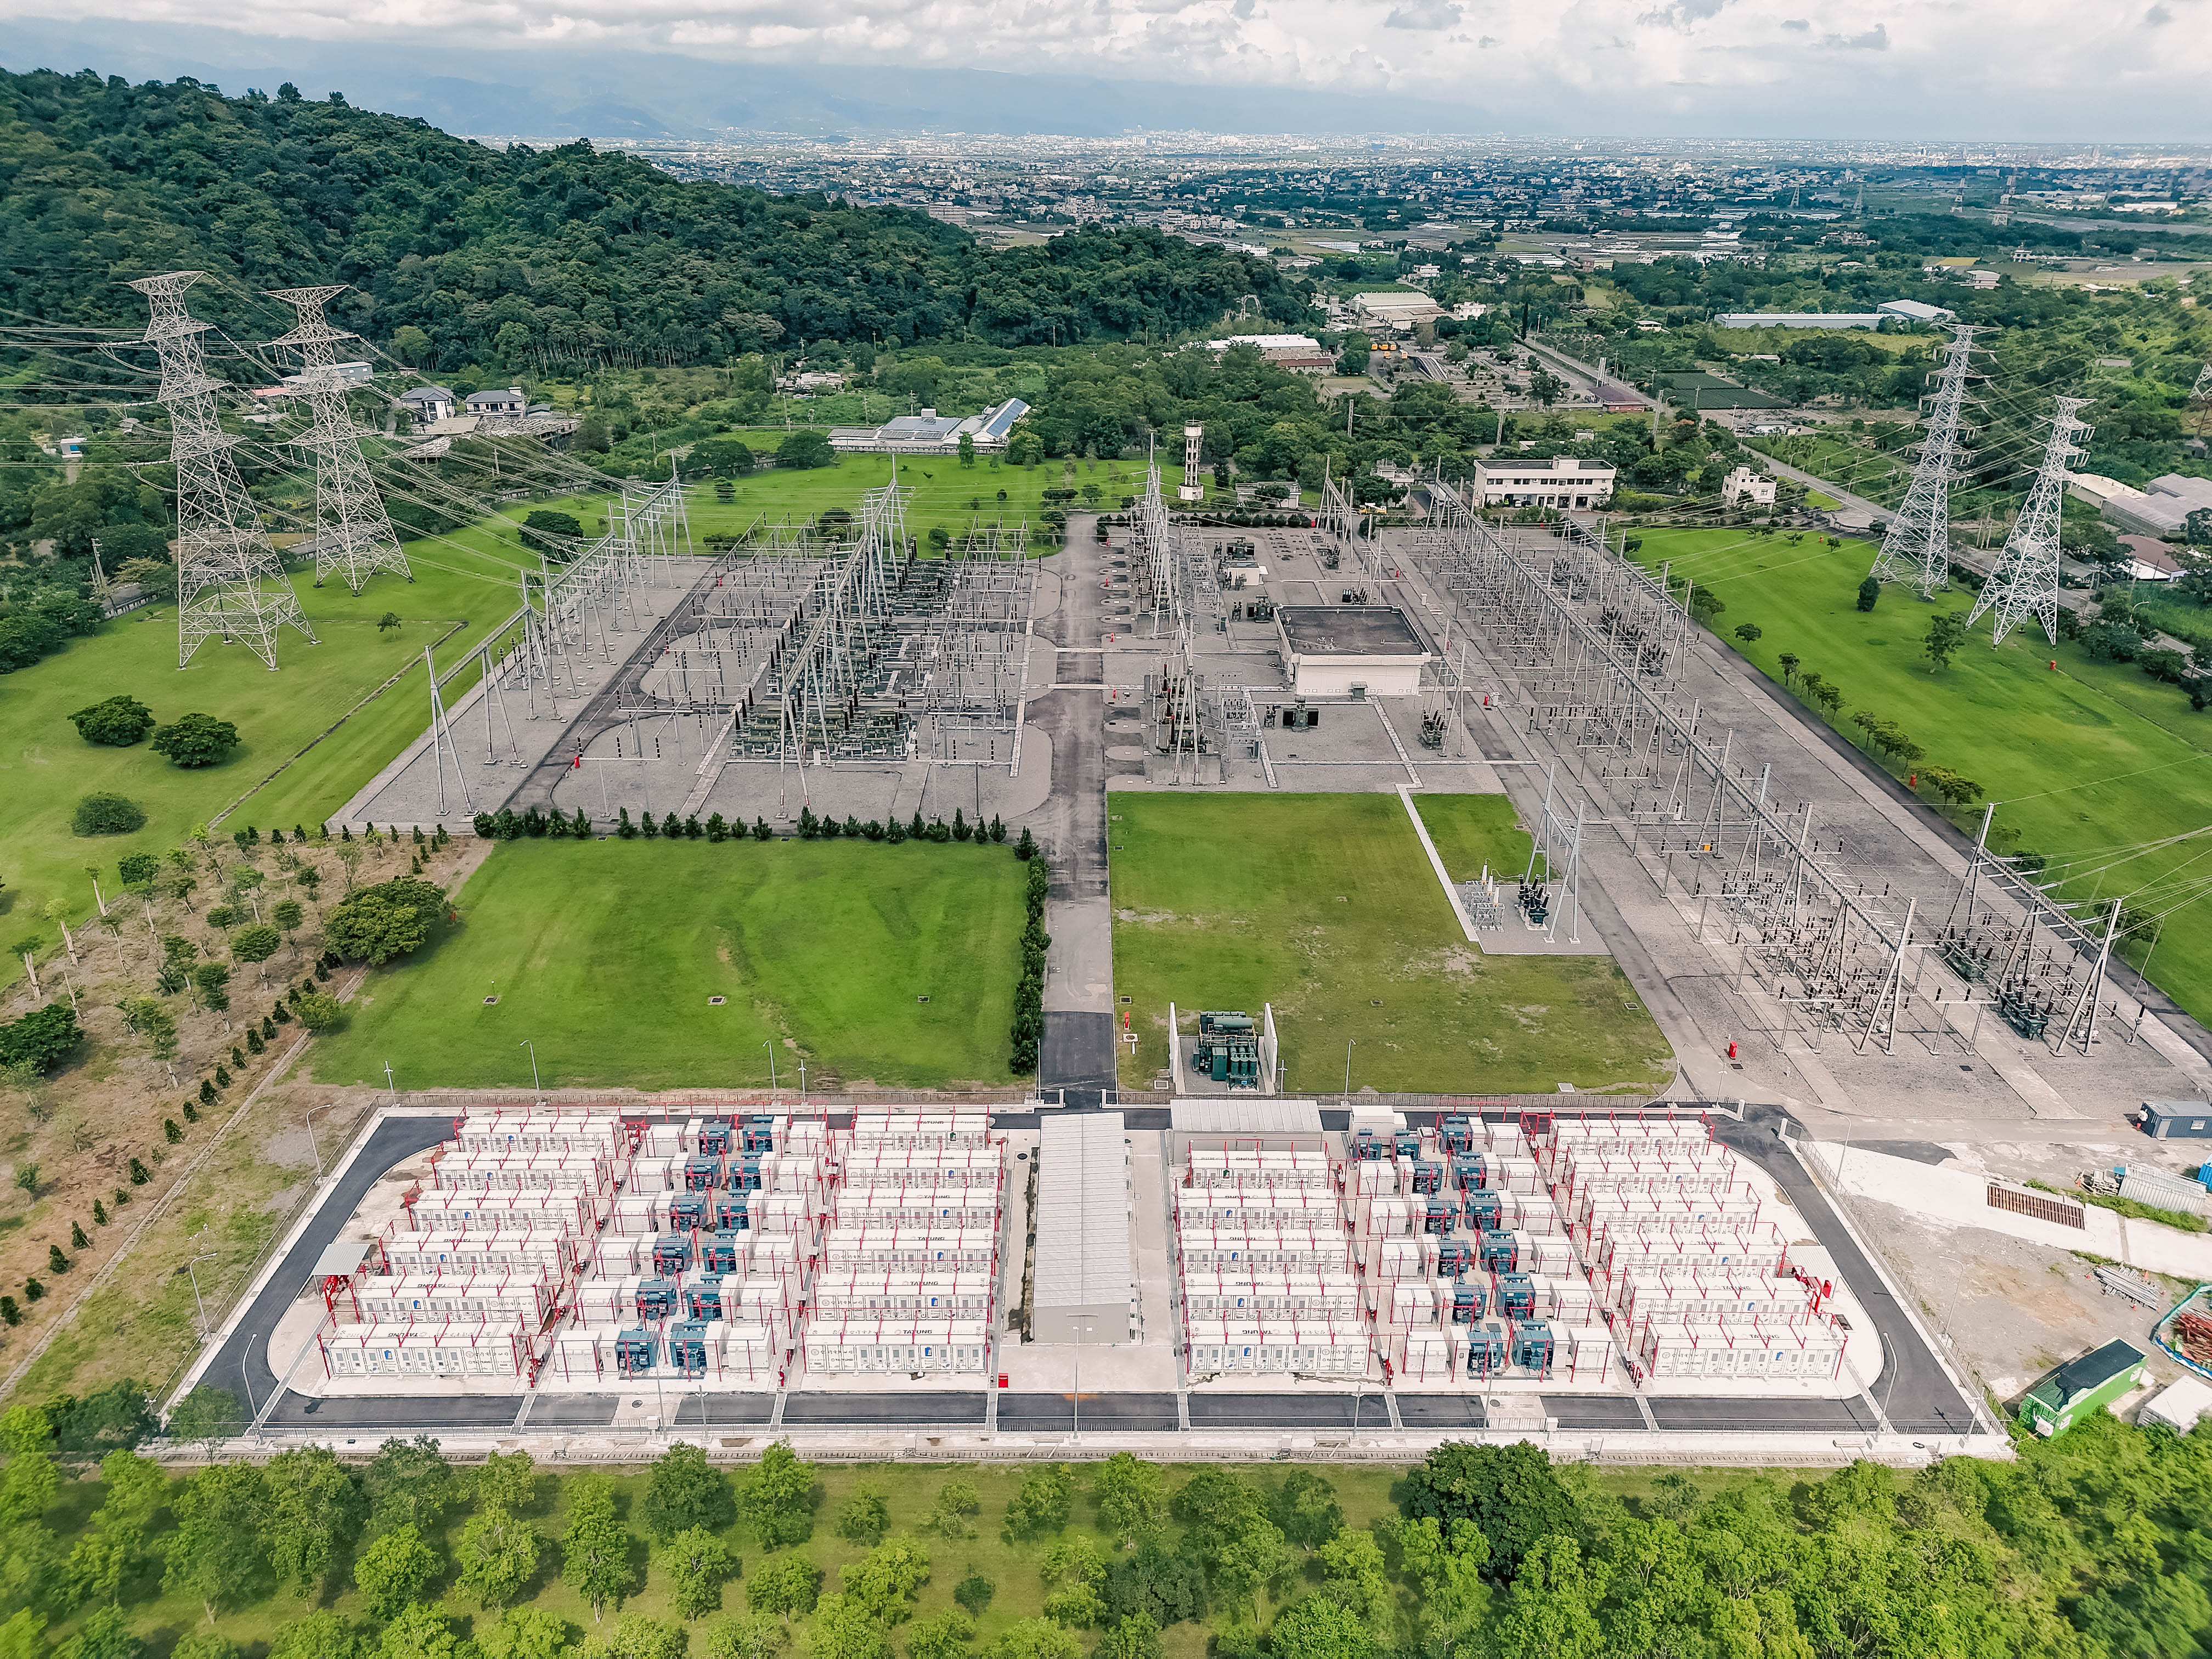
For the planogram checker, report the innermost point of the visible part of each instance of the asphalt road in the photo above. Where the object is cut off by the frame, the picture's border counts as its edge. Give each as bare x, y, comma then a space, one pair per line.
241, 1367
1918, 1397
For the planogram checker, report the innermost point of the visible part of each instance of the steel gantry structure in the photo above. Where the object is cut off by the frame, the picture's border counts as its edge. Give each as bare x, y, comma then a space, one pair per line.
2026, 582
1591, 645
1917, 547
354, 535
229, 584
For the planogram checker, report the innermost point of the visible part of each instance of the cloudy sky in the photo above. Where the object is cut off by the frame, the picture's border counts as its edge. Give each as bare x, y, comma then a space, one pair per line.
2015, 69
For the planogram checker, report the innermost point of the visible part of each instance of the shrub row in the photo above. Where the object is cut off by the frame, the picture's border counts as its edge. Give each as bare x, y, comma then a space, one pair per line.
507, 825
1029, 990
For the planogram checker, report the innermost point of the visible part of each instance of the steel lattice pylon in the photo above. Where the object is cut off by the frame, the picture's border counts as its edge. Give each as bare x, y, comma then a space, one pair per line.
353, 533
2027, 580
229, 584
1917, 548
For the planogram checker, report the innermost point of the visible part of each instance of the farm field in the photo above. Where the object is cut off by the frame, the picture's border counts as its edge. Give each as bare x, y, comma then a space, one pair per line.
2086, 764
863, 959
1328, 909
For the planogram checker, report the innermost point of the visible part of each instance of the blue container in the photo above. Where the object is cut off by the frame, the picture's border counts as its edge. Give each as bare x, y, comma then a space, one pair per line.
635, 1351
671, 1253
714, 1137
656, 1298
719, 1253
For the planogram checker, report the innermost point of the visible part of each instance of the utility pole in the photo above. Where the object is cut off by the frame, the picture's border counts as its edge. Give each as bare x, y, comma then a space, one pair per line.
229, 584
353, 533
2027, 580
1917, 547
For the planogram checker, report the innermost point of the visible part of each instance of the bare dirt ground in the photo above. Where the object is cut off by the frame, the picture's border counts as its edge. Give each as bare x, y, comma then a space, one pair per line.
2011, 1308
212, 1199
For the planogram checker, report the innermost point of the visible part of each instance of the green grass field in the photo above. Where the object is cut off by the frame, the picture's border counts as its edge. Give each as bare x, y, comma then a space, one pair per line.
1325, 905
1475, 832
603, 954
942, 489
2084, 762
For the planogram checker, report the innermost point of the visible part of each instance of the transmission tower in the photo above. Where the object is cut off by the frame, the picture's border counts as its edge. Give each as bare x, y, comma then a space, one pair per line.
2027, 580
353, 534
1918, 548
230, 585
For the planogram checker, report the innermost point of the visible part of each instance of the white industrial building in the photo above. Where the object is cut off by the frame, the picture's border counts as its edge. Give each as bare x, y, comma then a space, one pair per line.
1356, 651
932, 433
1085, 1286
1561, 481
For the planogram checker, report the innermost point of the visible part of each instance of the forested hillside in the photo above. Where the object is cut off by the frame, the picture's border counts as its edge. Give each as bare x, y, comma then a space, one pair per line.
498, 258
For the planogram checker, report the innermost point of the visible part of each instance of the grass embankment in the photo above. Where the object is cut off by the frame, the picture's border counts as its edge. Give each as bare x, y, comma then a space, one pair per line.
603, 954
1326, 907
2092, 764
464, 583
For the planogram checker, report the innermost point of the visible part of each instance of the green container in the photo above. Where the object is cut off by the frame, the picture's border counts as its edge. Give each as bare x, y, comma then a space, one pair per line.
2088, 1382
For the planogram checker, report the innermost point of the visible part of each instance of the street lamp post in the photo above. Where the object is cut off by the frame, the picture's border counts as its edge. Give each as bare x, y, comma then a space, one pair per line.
326, 1106
802, 1085
536, 1087
202, 1306
770, 1045
1348, 1048
389, 1083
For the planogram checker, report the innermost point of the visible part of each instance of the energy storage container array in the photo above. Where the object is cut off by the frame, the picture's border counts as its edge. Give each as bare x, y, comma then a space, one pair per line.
1267, 1275
1468, 1269
1691, 1276
1809, 1348
486, 1250
700, 1274
910, 1261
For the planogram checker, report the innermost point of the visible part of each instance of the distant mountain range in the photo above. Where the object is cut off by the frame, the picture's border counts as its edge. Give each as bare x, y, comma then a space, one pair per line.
642, 95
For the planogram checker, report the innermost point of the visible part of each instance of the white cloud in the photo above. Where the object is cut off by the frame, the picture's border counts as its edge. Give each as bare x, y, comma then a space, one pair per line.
2010, 68
1424, 15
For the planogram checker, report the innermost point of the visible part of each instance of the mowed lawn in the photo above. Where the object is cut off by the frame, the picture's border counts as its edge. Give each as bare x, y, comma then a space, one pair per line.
1327, 907
1473, 833
2086, 763
603, 954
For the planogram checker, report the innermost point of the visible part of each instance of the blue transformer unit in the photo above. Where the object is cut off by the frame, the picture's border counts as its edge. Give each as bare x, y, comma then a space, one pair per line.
671, 1253
702, 1173
702, 1296
687, 1347
746, 1176
730, 1214
656, 1298
1458, 1134
1469, 1302
1407, 1144
1441, 1216
1428, 1177
714, 1137
1501, 1251
1470, 1174
759, 1134
1532, 1345
719, 1253
635, 1352
1482, 1211
687, 1210
1516, 1295
1485, 1350
1454, 1257
1368, 1147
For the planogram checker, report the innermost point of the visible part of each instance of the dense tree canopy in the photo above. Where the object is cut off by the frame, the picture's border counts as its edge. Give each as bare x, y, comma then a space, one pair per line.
460, 254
